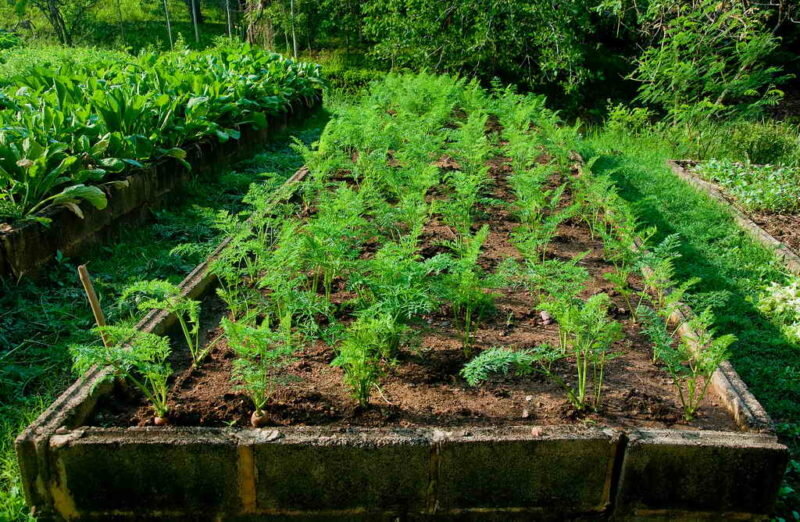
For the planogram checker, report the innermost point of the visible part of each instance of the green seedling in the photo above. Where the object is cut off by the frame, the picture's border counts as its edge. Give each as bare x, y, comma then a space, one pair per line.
693, 360
587, 335
359, 356
465, 287
505, 361
137, 357
162, 295
261, 355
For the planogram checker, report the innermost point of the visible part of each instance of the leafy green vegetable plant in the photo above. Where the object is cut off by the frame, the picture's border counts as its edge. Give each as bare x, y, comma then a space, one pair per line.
757, 188
62, 129
782, 302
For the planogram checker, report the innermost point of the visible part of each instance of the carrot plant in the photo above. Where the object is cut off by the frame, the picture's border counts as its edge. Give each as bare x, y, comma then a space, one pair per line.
465, 287
162, 295
359, 356
261, 356
587, 334
693, 360
507, 361
332, 240
138, 357
397, 281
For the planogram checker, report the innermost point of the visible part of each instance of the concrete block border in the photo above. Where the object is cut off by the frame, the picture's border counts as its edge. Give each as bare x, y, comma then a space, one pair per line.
74, 472
26, 248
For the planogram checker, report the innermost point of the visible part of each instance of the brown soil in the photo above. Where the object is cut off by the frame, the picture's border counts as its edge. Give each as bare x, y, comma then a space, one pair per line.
783, 227
423, 388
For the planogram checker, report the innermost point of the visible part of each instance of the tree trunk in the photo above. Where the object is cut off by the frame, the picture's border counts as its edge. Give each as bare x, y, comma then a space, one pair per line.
228, 12
169, 25
195, 19
294, 35
195, 11
53, 15
121, 21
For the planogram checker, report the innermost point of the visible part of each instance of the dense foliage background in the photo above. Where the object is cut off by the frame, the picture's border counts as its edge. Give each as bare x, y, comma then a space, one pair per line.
681, 58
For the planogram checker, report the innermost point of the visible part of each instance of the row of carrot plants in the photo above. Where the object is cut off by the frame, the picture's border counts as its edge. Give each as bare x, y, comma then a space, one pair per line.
416, 149
65, 131
546, 198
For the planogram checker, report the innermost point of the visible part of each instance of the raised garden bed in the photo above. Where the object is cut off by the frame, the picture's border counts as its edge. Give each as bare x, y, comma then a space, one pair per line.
420, 440
778, 231
26, 248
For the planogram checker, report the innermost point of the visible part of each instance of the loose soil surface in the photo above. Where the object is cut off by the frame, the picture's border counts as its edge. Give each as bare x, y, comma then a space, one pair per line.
423, 388
783, 227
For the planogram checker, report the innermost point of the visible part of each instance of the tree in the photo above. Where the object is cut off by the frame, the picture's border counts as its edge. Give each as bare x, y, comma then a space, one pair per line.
532, 41
64, 16
195, 10
707, 57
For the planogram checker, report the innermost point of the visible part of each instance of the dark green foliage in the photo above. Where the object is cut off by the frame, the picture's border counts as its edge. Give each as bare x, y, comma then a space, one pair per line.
64, 128
502, 361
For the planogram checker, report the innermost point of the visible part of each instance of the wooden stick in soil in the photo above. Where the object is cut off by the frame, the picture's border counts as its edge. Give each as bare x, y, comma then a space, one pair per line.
94, 303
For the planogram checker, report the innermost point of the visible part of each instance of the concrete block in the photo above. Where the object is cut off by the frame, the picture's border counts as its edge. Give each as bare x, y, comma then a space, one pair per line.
328, 470
141, 471
670, 472
557, 469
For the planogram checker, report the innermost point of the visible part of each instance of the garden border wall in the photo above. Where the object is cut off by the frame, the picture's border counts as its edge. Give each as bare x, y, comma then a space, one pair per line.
27, 248
790, 259
73, 472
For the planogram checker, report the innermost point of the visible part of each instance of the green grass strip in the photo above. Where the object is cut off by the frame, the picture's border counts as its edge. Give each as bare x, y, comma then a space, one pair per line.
734, 271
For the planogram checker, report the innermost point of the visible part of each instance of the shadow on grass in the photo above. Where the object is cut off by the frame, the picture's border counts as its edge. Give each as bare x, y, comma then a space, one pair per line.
763, 356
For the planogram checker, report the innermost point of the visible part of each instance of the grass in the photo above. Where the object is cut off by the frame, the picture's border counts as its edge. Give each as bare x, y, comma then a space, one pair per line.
734, 269
39, 320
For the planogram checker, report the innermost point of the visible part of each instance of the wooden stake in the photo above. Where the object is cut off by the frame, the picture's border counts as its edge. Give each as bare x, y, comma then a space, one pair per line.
88, 287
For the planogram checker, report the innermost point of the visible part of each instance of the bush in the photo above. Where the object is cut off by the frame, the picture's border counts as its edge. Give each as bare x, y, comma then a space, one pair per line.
9, 40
